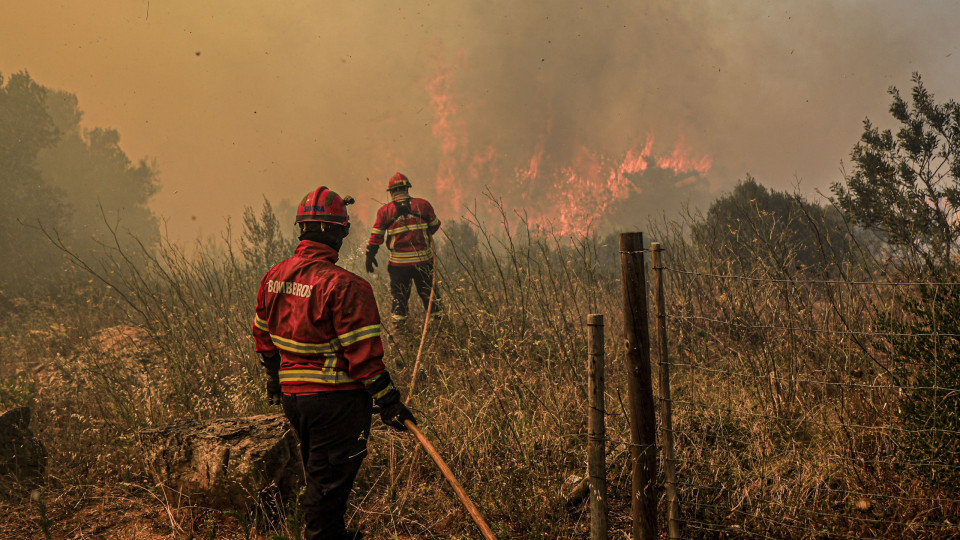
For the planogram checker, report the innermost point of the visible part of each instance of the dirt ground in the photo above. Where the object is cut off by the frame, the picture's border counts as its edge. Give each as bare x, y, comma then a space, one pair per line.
128, 512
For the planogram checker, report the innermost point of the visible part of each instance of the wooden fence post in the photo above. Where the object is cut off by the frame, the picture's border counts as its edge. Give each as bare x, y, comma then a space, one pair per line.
596, 430
643, 430
666, 405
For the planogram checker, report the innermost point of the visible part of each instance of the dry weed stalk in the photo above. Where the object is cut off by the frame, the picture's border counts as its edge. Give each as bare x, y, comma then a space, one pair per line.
785, 404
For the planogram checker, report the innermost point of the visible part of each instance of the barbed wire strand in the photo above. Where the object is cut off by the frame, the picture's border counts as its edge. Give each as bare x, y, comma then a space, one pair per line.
865, 494
809, 329
893, 497
811, 281
806, 381
828, 424
856, 458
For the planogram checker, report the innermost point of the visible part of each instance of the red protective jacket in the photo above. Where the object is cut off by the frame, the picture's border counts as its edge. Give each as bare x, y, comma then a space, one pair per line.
323, 319
408, 231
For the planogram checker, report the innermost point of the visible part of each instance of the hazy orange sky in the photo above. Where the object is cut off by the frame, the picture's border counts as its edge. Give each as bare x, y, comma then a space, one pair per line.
244, 99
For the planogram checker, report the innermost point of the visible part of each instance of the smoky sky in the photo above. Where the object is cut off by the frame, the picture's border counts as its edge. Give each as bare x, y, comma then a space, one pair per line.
239, 100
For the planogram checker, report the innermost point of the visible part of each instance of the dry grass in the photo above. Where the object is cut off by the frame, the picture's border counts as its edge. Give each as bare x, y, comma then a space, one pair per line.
781, 432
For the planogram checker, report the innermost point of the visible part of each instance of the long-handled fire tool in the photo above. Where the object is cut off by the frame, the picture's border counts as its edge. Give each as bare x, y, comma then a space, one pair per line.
442, 465
448, 474
423, 335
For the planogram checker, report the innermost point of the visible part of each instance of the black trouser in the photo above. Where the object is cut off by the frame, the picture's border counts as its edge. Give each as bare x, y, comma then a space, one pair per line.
333, 428
421, 275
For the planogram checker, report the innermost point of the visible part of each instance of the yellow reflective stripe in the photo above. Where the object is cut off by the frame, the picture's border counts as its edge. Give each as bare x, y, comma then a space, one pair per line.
384, 392
436, 221
330, 347
411, 256
407, 254
331, 361
405, 228
359, 334
378, 232
325, 376
307, 348
260, 323
416, 260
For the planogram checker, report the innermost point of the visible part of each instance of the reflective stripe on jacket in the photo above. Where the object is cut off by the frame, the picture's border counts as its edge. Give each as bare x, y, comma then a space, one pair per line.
407, 234
323, 319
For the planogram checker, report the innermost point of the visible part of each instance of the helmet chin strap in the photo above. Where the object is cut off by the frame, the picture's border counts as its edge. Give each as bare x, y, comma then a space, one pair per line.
327, 228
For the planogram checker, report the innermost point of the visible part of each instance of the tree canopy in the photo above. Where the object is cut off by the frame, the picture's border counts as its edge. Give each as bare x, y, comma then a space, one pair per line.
74, 182
25, 196
904, 185
97, 179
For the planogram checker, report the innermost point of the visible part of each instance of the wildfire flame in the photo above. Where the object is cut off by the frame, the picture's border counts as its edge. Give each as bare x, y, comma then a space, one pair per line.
571, 196
449, 132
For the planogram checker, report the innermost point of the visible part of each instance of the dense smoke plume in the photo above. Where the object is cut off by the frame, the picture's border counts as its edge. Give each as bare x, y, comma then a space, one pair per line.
546, 104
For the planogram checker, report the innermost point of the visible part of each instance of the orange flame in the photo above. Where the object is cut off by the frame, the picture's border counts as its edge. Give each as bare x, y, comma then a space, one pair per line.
569, 195
449, 132
531, 172
592, 185
680, 160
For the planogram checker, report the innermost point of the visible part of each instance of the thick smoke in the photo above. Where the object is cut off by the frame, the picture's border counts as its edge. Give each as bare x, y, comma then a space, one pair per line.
480, 92
238, 100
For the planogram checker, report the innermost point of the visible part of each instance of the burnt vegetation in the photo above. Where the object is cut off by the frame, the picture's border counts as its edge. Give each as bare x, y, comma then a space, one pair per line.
813, 349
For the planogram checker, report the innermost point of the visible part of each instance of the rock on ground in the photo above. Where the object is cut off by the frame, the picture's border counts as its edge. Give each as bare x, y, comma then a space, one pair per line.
230, 463
22, 456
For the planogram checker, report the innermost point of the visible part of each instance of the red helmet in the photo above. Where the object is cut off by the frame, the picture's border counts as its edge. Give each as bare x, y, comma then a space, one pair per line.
398, 181
324, 206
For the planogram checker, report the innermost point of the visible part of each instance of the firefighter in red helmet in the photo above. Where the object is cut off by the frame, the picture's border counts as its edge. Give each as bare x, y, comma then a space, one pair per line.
317, 329
407, 225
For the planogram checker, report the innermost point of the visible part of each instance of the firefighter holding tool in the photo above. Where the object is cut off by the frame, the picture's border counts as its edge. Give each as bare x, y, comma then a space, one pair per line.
317, 329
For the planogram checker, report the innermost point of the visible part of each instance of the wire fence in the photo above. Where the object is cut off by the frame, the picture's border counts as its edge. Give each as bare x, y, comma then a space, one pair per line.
802, 407
809, 408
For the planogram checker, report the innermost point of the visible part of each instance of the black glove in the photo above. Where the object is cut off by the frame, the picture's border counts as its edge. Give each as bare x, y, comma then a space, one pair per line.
371, 257
272, 365
274, 394
393, 412
387, 398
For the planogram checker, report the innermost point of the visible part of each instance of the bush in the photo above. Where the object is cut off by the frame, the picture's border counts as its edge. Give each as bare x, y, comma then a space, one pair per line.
755, 226
926, 354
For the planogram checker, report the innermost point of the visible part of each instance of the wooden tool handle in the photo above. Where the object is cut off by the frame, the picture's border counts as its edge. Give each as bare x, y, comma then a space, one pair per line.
448, 474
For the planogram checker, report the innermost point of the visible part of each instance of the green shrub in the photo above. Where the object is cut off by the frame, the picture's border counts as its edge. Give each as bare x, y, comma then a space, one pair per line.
926, 353
16, 392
